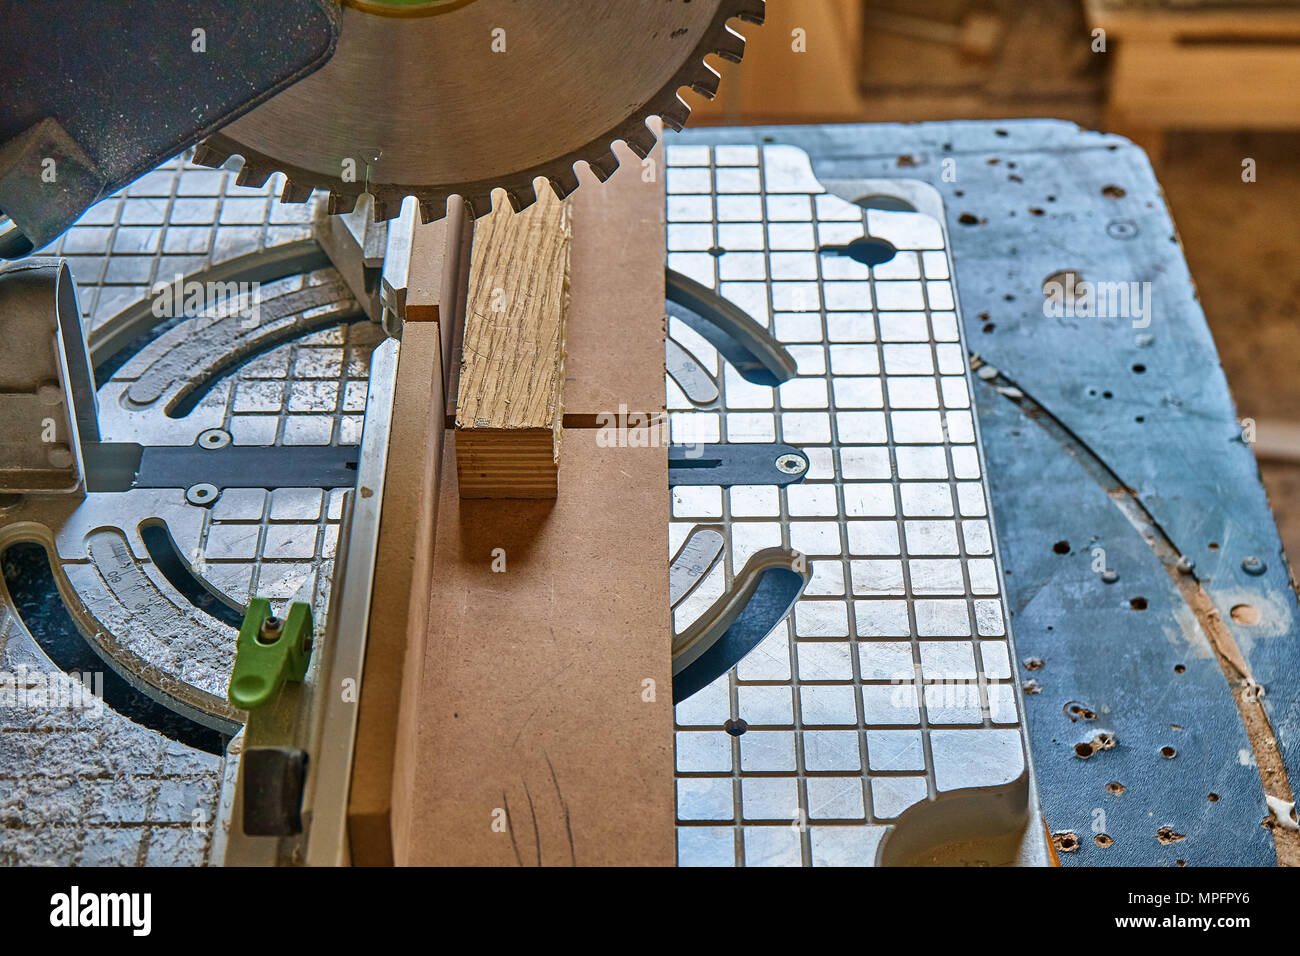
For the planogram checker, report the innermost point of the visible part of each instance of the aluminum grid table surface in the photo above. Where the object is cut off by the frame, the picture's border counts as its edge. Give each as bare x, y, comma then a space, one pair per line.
278, 544
891, 683
179, 219
1025, 200
94, 787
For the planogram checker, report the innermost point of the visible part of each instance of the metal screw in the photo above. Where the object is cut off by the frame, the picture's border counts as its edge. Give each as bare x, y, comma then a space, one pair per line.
1110, 576
201, 494
792, 464
1253, 565
270, 630
214, 438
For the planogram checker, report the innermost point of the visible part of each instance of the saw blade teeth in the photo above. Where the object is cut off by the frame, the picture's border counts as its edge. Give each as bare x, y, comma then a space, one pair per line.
341, 203
604, 166
641, 140
252, 175
521, 197
210, 156
381, 210
295, 192
706, 81
676, 113
751, 11
563, 182
717, 37
432, 209
478, 206
730, 45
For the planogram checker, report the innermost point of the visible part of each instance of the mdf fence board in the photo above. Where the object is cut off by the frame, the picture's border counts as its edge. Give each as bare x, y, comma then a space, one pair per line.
546, 711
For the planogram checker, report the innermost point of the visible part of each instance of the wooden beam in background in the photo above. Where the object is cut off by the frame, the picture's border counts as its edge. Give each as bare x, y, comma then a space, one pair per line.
774, 83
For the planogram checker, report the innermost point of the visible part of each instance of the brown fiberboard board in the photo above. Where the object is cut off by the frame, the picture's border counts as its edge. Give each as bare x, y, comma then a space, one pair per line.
399, 602
616, 305
539, 737
384, 756
546, 710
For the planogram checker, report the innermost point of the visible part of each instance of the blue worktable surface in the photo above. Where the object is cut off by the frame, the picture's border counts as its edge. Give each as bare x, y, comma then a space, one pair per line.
1122, 420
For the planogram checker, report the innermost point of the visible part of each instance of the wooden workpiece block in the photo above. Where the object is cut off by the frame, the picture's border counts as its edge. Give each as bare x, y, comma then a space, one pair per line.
509, 407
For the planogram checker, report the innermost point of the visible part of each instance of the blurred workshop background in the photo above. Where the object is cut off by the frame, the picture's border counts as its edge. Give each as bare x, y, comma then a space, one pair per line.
1203, 85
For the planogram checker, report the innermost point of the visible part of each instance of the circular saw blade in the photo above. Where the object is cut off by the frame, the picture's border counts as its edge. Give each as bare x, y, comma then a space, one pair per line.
494, 93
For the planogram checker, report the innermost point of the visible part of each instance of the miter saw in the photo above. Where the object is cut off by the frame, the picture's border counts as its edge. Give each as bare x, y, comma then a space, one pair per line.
180, 484
194, 471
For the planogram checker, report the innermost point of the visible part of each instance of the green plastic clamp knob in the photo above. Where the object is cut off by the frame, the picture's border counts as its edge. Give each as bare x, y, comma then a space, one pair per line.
270, 651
